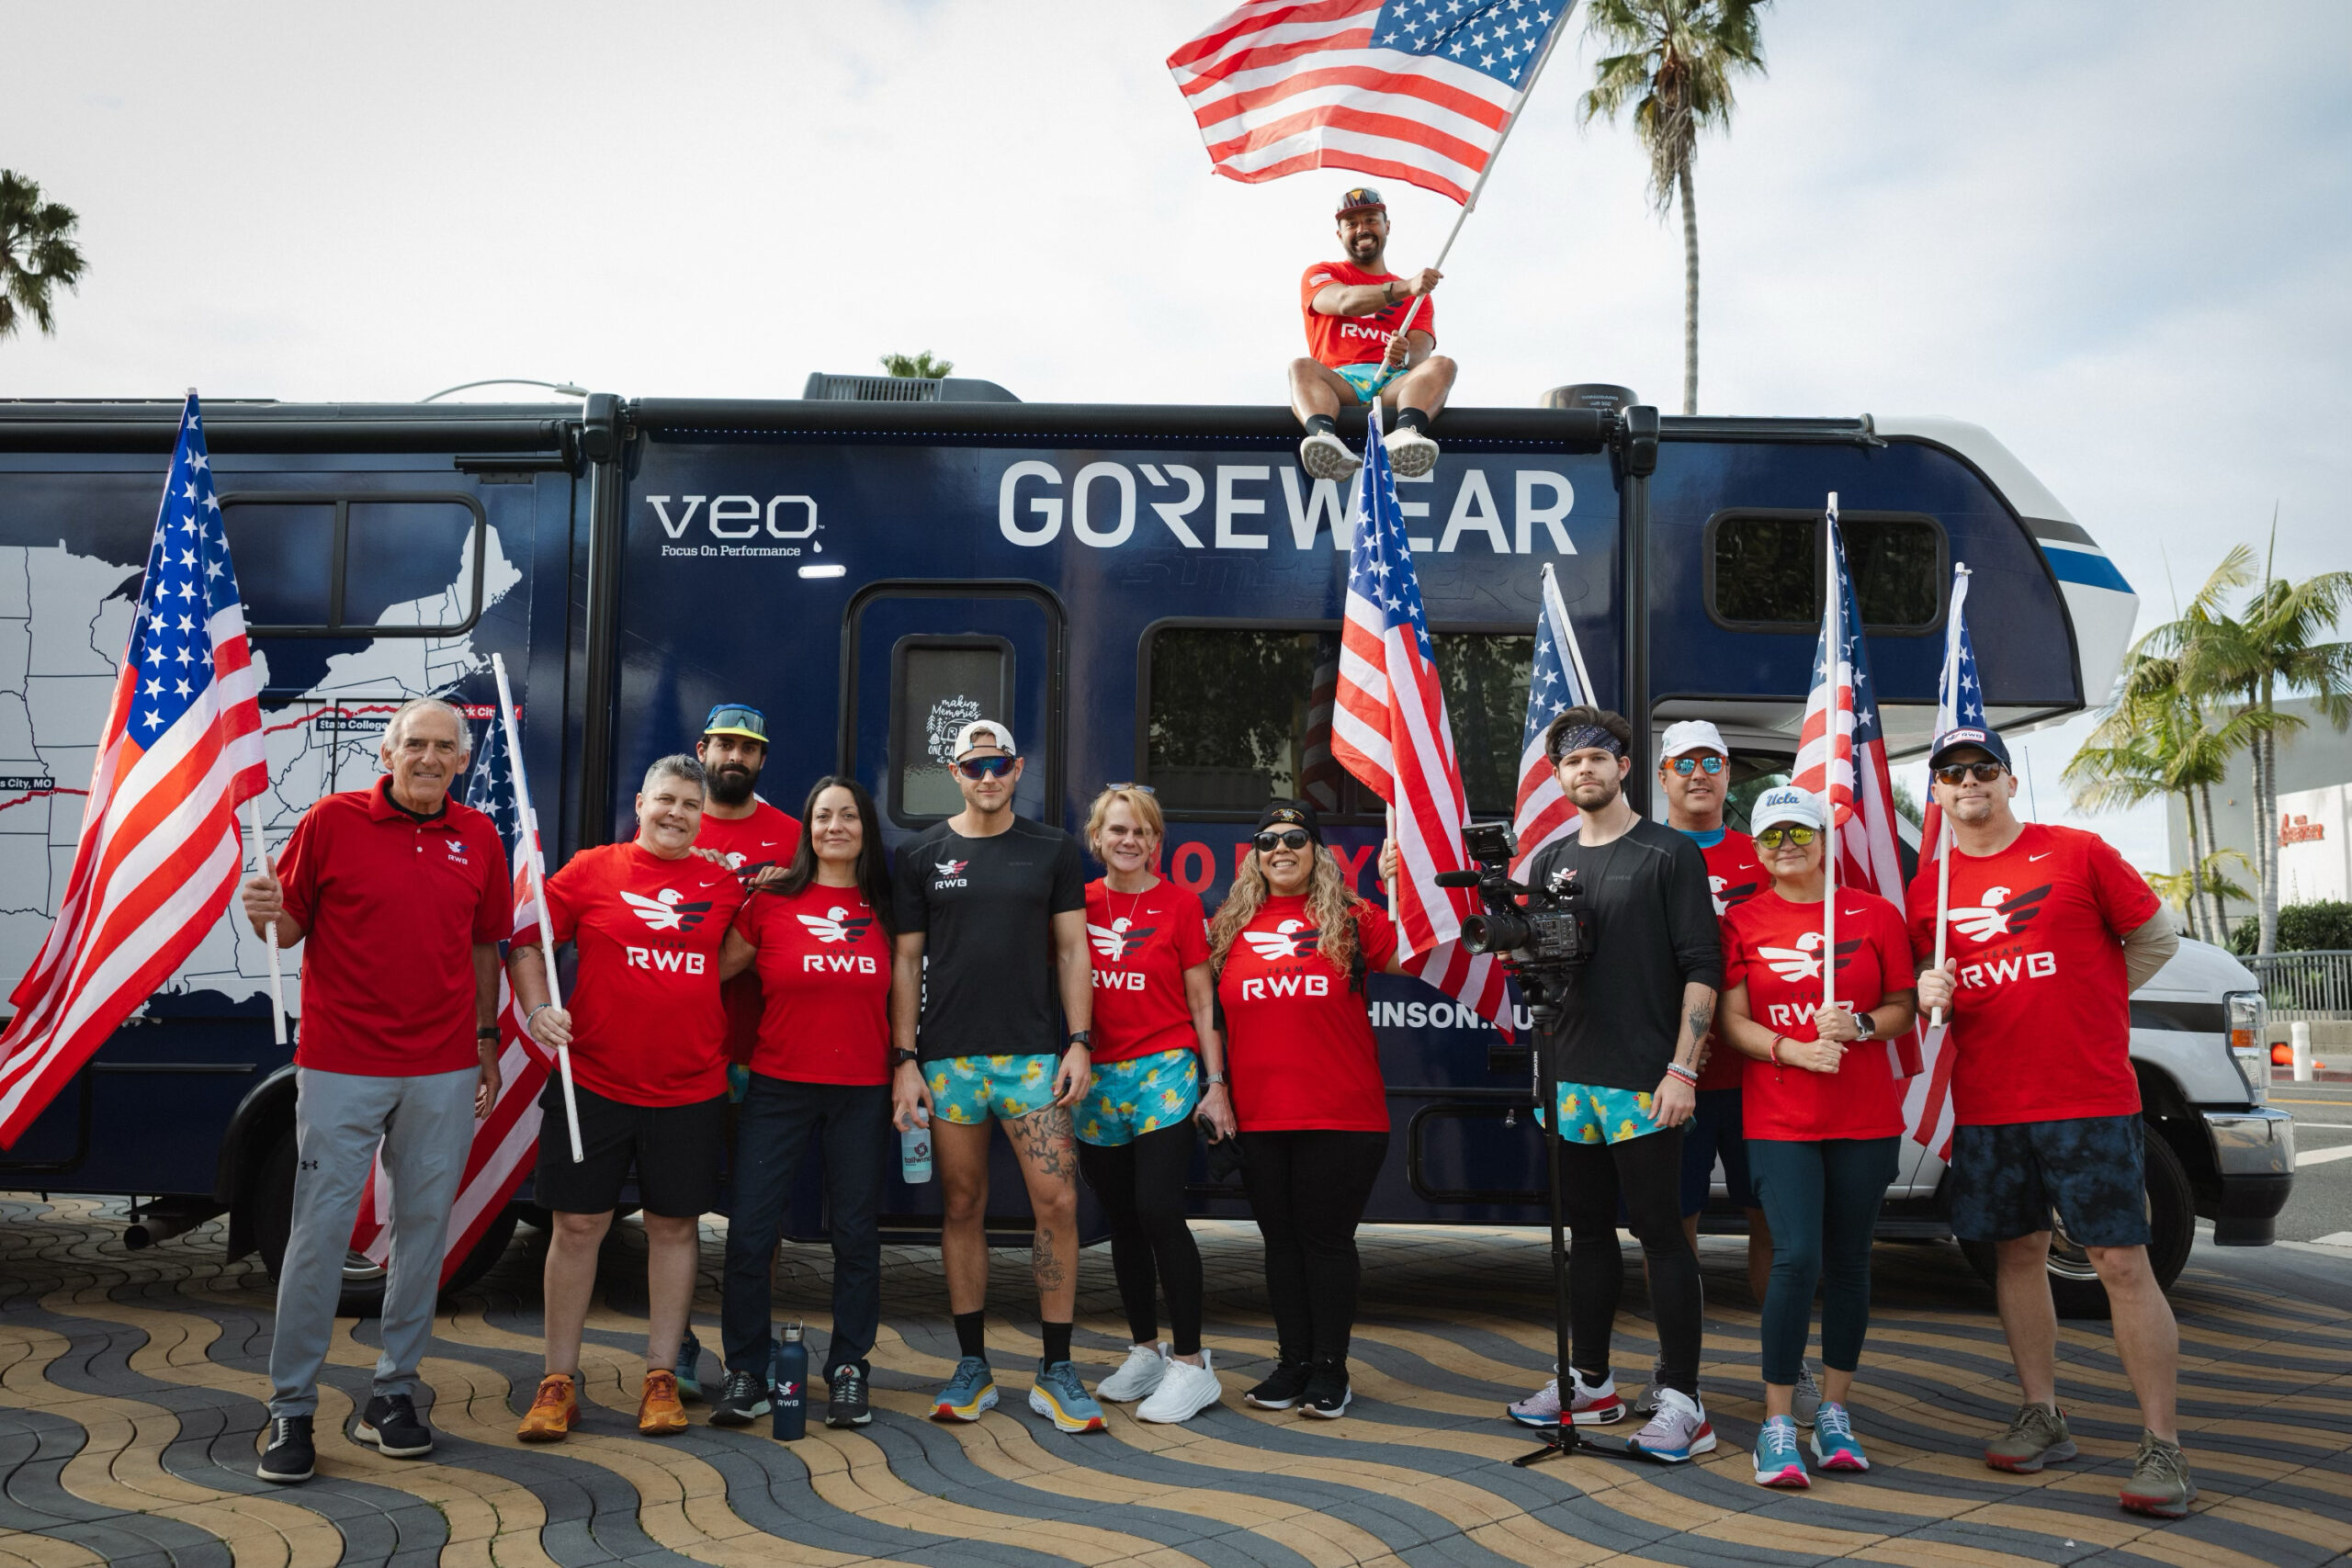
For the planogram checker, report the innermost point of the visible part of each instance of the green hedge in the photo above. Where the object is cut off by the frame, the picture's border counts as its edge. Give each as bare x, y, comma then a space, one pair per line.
2302, 927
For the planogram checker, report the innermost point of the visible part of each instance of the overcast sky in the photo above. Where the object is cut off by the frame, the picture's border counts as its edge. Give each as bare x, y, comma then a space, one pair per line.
2116, 234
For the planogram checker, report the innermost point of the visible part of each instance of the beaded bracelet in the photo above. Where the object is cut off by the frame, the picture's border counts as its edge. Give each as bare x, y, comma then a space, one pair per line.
1678, 1070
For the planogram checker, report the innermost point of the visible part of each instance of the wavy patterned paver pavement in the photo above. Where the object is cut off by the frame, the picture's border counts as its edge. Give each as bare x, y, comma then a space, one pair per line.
131, 1390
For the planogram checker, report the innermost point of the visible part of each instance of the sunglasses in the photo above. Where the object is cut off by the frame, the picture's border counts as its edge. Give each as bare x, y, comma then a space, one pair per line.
986, 767
1686, 766
1139, 788
1982, 772
736, 717
1773, 838
1289, 839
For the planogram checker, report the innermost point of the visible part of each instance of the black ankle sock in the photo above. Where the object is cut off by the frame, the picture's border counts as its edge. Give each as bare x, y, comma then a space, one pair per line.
971, 1334
1413, 418
1057, 1335
1322, 424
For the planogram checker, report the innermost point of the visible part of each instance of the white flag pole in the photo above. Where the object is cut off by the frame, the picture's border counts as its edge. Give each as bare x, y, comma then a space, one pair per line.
1835, 635
530, 827
1943, 820
269, 936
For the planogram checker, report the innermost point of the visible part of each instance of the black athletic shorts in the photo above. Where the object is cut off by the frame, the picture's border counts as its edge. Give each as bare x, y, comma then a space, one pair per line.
674, 1150
2005, 1180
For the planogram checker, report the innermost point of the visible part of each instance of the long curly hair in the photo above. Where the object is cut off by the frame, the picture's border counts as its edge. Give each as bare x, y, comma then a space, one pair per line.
1329, 901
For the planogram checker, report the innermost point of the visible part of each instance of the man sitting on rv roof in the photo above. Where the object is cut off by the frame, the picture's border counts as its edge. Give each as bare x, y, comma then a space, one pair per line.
1355, 311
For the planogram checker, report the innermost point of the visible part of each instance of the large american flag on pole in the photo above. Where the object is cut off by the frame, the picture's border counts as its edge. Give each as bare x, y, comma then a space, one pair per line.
1390, 730
160, 847
1841, 756
506, 1145
1960, 704
1555, 682
1423, 91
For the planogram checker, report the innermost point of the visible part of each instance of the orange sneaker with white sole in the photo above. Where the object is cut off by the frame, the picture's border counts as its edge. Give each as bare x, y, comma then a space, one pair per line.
659, 1412
555, 1411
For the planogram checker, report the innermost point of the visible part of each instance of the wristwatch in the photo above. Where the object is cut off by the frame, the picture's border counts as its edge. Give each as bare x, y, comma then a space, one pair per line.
900, 1055
1865, 1026
1080, 1037
1216, 1078
486, 1033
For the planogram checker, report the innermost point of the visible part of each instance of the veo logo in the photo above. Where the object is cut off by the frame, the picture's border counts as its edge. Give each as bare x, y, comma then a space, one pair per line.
740, 517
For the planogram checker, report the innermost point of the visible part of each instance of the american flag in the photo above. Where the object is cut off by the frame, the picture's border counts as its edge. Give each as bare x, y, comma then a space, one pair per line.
1390, 730
1423, 91
160, 847
1557, 682
1845, 761
1960, 704
506, 1145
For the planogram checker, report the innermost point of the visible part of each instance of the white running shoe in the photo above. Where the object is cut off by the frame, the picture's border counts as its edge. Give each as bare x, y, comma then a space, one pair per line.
1325, 456
1411, 454
1183, 1392
1807, 1403
1591, 1406
1139, 1374
1678, 1433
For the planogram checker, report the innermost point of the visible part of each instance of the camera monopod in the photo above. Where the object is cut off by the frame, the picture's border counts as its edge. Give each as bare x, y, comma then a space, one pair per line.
1542, 1007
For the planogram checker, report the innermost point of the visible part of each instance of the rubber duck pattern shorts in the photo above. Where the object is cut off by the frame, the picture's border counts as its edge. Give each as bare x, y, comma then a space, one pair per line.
968, 1090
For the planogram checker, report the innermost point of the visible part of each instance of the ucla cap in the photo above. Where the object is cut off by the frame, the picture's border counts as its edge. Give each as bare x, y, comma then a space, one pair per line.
1360, 198
982, 732
1786, 806
737, 719
1986, 740
1692, 735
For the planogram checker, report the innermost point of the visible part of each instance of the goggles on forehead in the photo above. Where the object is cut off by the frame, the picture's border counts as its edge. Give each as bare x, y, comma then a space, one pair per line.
735, 718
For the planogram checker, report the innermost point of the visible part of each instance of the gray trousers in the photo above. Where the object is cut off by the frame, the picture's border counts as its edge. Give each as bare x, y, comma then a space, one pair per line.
426, 1127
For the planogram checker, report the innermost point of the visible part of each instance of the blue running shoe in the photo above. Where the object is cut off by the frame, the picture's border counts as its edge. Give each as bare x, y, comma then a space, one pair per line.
1779, 1462
1833, 1439
689, 1368
1058, 1394
968, 1394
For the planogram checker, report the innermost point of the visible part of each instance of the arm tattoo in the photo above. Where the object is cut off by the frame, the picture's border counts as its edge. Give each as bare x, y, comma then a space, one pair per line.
1698, 1019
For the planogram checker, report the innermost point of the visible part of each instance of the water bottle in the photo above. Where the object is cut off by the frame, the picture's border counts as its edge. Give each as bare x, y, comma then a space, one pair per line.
788, 1400
914, 1150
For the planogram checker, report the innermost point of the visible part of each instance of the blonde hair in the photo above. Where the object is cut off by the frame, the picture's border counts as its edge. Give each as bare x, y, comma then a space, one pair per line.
1329, 900
1143, 802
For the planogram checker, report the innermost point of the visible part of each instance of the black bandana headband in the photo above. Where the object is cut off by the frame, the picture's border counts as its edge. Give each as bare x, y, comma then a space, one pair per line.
1587, 737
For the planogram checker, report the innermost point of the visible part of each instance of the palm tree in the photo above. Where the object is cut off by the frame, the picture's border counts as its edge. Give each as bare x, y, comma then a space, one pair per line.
1674, 63
2207, 876
37, 252
921, 364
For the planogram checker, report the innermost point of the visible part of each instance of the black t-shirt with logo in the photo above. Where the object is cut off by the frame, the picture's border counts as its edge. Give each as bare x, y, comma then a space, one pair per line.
986, 907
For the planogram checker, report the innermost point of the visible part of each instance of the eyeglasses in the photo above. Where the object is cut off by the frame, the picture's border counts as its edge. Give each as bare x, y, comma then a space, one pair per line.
1139, 788
1289, 839
986, 767
1686, 766
1982, 772
1773, 838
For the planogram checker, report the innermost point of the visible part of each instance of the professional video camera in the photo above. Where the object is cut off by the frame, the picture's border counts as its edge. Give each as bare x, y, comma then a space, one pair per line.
1543, 940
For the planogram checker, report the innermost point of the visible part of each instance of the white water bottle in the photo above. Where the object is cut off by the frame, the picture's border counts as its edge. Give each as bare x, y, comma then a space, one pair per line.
914, 1150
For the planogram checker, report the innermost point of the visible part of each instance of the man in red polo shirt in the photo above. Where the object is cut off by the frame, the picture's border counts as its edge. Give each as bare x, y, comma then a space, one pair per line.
1355, 312
402, 892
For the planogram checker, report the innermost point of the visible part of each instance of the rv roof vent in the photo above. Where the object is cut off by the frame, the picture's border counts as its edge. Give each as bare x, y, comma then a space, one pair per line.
903, 389
1598, 396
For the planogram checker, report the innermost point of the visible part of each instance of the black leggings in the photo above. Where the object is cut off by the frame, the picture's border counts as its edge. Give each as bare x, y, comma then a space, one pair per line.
1307, 1190
1647, 1171
1142, 1188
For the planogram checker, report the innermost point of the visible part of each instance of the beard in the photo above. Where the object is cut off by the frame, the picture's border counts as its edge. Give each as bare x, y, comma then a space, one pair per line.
732, 784
1594, 796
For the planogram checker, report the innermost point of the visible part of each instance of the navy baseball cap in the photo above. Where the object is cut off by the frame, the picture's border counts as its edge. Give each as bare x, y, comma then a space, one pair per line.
1359, 199
1986, 740
737, 719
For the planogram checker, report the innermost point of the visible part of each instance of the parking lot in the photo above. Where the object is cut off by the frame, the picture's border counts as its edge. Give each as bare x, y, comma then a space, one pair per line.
131, 1390
2321, 1209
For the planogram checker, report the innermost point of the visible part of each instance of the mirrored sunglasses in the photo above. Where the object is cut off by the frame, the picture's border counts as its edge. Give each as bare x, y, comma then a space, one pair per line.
985, 767
1773, 838
1686, 766
1139, 788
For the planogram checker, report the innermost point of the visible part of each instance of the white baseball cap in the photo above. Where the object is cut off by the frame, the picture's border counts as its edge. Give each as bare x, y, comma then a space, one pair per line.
982, 732
1692, 735
1787, 805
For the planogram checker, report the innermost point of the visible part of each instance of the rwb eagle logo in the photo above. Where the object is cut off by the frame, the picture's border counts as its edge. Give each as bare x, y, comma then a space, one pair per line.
1291, 938
834, 925
1998, 914
1726, 896
951, 867
667, 910
1117, 940
1803, 962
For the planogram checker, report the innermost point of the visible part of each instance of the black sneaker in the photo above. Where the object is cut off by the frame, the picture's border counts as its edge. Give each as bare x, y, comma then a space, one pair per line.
743, 1401
1281, 1388
291, 1456
391, 1424
1326, 1393
845, 1404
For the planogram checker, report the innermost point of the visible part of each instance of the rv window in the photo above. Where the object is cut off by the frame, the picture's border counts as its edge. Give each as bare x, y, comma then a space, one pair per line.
285, 560
943, 684
1766, 570
324, 565
1241, 715
408, 564
1898, 570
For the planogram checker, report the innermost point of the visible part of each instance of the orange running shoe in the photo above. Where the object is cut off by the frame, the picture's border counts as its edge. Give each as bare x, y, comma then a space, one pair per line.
659, 1412
554, 1412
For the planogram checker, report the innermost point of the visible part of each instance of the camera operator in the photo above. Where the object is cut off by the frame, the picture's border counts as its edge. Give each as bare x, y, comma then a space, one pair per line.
1627, 1047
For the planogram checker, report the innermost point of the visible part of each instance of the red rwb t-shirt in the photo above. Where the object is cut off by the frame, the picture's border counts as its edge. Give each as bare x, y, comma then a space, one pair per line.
767, 837
647, 1024
1143, 942
391, 909
1298, 1043
824, 969
1774, 947
2042, 1022
1733, 876
1356, 340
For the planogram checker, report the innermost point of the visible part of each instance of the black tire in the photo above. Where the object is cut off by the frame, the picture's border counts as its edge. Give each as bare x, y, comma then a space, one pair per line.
533, 1215
363, 1280
2172, 1228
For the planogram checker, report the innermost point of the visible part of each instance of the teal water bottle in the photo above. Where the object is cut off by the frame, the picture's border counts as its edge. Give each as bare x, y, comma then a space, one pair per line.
788, 1400
914, 1150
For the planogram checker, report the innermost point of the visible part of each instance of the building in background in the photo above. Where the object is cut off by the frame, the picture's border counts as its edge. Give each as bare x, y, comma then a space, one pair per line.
2314, 768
